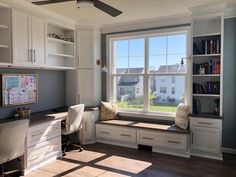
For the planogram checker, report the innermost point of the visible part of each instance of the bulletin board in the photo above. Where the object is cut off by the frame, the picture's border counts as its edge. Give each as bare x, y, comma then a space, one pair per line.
18, 89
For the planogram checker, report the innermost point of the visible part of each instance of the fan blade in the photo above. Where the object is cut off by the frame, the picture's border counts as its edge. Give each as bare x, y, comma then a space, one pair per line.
49, 2
106, 8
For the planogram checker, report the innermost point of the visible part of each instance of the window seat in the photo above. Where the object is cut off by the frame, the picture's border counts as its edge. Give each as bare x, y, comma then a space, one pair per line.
162, 138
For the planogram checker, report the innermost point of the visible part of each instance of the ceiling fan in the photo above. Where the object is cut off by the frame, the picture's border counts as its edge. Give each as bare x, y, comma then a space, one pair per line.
96, 3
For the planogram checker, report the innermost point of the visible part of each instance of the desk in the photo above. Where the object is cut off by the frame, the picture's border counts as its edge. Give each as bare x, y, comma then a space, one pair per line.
43, 140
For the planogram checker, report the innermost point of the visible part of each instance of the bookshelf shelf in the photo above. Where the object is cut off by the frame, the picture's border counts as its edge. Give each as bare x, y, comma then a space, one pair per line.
206, 75
207, 35
61, 55
206, 55
59, 41
206, 95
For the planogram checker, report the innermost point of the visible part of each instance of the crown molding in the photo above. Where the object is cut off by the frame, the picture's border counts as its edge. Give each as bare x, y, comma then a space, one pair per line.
208, 9
230, 12
147, 23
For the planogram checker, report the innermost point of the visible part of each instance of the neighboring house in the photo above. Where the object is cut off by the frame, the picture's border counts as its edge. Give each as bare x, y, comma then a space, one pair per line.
129, 87
170, 88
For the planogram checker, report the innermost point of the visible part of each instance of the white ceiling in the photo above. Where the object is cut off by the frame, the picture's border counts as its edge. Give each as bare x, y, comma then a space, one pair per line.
133, 10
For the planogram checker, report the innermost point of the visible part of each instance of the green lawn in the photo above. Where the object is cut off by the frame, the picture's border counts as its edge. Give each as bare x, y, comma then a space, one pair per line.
153, 108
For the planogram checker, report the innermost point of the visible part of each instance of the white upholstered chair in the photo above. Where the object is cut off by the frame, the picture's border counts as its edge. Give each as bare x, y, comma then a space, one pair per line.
72, 124
12, 140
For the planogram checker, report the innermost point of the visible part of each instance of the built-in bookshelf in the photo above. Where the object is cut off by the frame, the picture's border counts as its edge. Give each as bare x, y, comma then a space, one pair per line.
207, 66
5, 35
60, 46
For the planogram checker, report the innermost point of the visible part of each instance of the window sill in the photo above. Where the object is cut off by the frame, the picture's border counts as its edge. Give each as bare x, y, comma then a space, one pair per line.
156, 116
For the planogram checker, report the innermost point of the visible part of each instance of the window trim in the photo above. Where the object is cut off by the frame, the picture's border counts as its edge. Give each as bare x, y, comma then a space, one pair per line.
147, 34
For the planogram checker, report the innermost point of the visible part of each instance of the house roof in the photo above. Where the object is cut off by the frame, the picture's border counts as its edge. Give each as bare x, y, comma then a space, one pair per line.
128, 83
171, 68
129, 70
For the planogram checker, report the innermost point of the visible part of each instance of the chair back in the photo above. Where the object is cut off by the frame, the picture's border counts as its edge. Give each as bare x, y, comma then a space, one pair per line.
12, 139
74, 118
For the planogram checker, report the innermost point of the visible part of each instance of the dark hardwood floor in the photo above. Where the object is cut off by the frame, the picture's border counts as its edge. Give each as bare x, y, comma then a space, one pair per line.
112, 161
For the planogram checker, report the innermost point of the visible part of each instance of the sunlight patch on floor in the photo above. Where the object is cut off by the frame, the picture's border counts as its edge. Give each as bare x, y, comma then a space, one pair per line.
124, 164
93, 172
84, 156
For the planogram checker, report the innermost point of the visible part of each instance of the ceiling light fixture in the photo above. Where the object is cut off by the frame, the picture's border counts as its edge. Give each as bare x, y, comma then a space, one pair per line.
84, 4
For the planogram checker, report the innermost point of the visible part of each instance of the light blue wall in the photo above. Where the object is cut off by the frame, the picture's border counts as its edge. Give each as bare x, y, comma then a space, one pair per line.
52, 90
229, 81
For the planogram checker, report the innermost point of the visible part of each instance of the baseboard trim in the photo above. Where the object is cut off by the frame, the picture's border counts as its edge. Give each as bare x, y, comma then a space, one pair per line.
229, 150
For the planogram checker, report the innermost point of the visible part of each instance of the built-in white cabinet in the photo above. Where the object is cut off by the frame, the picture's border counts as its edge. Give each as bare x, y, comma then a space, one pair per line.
207, 80
85, 83
89, 73
206, 137
5, 35
28, 39
60, 46
43, 144
88, 131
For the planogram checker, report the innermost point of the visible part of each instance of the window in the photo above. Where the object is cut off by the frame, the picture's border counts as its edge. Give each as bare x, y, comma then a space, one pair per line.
173, 79
173, 90
147, 66
162, 89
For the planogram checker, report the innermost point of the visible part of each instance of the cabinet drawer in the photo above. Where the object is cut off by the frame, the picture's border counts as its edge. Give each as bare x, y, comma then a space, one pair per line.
173, 141
204, 122
43, 151
147, 138
126, 135
38, 134
115, 133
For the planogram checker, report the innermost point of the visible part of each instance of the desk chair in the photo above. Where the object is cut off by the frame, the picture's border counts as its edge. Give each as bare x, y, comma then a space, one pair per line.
12, 140
71, 125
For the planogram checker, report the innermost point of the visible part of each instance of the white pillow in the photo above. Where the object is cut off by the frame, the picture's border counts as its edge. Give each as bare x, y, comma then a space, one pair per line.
181, 116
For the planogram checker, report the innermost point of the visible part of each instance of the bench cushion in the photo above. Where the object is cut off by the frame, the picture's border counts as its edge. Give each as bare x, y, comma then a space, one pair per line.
151, 126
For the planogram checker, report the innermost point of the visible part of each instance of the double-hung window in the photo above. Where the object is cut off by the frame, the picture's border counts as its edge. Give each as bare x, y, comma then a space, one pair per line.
144, 69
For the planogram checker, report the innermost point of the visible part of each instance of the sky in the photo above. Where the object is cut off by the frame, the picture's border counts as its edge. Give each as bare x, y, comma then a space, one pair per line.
162, 50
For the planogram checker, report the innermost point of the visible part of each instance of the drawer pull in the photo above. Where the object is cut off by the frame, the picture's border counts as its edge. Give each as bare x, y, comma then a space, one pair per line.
205, 123
37, 134
147, 138
174, 142
103, 132
125, 135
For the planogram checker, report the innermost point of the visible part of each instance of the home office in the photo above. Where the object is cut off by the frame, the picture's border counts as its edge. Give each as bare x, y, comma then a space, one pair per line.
165, 74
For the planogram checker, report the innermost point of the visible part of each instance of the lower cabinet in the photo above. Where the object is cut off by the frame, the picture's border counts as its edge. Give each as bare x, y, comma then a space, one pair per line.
43, 144
87, 135
163, 142
116, 135
206, 137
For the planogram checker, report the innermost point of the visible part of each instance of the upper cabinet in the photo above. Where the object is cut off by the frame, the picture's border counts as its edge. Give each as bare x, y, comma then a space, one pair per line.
5, 35
88, 48
60, 46
28, 40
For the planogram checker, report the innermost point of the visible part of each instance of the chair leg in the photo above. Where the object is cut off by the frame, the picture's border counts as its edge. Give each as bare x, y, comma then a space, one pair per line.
66, 146
78, 146
1, 170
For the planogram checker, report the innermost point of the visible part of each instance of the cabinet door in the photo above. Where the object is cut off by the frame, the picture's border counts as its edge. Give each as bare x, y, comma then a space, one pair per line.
38, 41
22, 55
86, 87
206, 139
85, 49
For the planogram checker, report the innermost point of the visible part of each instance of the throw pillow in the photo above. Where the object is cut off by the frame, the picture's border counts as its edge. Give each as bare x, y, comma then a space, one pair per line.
181, 116
108, 111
